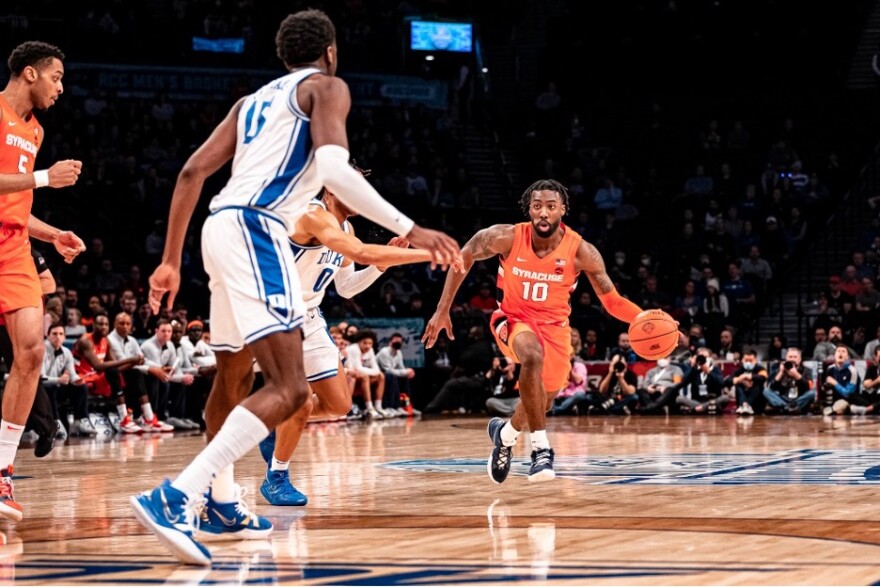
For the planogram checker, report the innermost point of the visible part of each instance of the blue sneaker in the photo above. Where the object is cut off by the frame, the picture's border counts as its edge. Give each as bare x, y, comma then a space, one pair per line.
542, 465
267, 447
168, 514
499, 462
278, 490
231, 521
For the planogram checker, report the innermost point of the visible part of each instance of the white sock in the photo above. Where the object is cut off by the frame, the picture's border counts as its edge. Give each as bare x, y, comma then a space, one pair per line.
147, 409
379, 405
10, 436
223, 485
122, 410
279, 465
539, 439
241, 432
509, 434
368, 406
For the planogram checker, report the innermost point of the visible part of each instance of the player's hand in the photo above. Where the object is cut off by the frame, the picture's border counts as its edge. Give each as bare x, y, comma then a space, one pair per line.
437, 324
443, 247
164, 280
64, 173
397, 241
68, 245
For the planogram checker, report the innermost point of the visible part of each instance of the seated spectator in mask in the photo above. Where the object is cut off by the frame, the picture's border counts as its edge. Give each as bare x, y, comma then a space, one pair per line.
748, 382
791, 387
658, 379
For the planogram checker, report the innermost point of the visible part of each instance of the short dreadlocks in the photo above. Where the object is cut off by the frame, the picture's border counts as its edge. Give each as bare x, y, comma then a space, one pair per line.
550, 185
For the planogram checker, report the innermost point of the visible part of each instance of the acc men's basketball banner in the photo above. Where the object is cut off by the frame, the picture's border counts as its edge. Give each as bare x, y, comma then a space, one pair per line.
410, 328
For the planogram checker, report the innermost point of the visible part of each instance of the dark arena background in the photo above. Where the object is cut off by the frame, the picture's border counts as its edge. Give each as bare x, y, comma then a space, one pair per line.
722, 156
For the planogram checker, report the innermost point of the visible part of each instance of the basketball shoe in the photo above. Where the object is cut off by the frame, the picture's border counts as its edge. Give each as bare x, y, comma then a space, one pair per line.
9, 508
542, 465
155, 425
278, 490
128, 426
499, 462
267, 447
171, 516
231, 521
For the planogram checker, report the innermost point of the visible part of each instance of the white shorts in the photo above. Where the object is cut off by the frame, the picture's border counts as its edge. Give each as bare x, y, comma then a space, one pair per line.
255, 289
320, 355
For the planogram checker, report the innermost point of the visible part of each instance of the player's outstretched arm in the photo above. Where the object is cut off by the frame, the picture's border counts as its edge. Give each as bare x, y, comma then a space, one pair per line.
324, 227
589, 260
60, 175
489, 242
328, 101
218, 149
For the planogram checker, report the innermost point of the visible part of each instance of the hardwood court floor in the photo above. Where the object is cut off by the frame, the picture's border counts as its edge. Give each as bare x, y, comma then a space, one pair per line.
638, 501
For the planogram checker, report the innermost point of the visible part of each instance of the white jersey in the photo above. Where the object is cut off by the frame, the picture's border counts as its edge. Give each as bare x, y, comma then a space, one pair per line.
317, 266
274, 165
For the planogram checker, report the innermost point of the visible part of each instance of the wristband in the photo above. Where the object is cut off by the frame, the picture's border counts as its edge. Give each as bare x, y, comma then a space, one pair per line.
41, 178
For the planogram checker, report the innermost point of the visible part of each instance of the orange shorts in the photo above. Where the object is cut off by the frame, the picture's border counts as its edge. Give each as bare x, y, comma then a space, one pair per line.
554, 338
19, 283
97, 383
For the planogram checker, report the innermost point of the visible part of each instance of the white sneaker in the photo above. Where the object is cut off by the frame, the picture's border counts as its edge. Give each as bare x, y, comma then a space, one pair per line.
29, 436
747, 409
177, 423
739, 410
83, 427
60, 431
374, 414
192, 425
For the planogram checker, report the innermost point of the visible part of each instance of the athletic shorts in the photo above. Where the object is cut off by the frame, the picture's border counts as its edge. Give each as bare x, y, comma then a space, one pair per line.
255, 289
320, 355
555, 340
19, 283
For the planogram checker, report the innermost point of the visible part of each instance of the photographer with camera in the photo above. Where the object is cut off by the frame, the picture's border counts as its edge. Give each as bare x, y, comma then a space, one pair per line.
570, 398
618, 387
842, 382
748, 381
503, 377
702, 388
870, 389
791, 389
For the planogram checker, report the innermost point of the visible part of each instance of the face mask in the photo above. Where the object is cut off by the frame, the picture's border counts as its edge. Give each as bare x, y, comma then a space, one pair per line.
396, 345
619, 260
662, 363
748, 366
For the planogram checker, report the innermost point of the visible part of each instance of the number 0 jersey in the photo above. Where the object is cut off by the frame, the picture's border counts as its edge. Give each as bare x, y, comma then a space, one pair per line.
317, 266
535, 289
274, 165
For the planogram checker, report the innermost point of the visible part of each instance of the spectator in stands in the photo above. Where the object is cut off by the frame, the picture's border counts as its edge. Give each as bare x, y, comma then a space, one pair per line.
658, 379
609, 197
862, 268
619, 385
183, 376
688, 304
870, 388
61, 382
835, 337
468, 379
503, 378
397, 375
144, 322
592, 349
652, 297
73, 326
727, 349
850, 282
867, 304
776, 349
568, 399
740, 295
773, 242
389, 304
701, 388
748, 382
370, 379
872, 345
484, 300
716, 307
201, 356
699, 184
404, 287
842, 380
838, 299
824, 348
757, 270
791, 387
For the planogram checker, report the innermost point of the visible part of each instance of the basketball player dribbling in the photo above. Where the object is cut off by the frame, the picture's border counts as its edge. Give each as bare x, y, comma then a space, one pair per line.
539, 266
286, 141
35, 71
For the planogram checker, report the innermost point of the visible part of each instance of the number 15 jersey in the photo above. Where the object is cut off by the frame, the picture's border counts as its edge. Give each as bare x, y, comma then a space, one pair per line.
536, 289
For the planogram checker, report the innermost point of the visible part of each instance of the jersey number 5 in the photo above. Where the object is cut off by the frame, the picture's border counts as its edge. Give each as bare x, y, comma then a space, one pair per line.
536, 292
22, 164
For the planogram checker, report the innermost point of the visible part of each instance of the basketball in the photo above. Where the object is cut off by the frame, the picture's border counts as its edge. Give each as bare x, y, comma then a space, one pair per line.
653, 334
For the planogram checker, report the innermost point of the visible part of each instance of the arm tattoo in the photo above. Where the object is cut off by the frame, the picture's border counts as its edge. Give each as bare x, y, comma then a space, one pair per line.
479, 247
601, 282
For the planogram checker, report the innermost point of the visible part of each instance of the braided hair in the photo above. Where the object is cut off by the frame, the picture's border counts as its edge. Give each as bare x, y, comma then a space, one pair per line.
550, 185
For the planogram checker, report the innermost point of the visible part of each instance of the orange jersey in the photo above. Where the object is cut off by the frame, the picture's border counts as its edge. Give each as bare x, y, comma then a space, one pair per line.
538, 289
20, 141
83, 367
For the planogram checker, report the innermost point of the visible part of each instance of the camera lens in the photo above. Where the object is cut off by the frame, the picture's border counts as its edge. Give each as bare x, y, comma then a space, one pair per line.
788, 364
701, 359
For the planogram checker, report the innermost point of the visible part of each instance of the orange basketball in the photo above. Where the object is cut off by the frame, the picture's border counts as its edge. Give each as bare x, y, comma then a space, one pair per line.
653, 334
